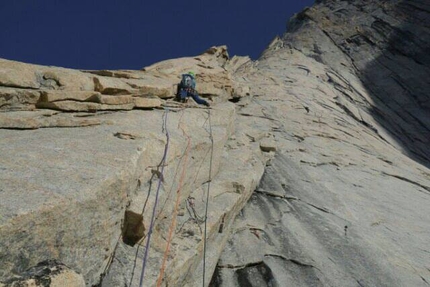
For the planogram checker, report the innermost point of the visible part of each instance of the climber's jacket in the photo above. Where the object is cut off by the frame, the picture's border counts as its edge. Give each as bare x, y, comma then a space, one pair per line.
186, 88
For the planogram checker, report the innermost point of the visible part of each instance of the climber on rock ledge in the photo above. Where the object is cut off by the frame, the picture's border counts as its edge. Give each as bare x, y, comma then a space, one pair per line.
186, 89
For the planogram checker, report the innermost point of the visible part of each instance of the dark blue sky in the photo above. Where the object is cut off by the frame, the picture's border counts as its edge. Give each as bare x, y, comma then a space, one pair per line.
95, 34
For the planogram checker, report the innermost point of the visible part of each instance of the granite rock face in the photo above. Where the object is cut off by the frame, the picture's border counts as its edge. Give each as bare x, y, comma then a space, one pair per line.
345, 201
24, 87
48, 273
80, 162
319, 174
386, 44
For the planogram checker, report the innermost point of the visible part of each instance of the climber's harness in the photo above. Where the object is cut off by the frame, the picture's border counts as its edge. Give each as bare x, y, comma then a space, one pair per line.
189, 90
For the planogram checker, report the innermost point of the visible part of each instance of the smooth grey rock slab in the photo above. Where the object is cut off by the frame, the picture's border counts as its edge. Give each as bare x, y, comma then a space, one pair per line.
282, 242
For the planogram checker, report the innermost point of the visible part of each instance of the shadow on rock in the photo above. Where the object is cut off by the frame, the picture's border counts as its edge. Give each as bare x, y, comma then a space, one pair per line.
398, 79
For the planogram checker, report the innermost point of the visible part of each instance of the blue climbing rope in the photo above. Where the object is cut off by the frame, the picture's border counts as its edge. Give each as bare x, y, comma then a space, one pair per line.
160, 179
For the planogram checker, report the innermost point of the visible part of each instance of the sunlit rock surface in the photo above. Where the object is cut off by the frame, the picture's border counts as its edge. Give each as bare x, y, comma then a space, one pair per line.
335, 114
345, 202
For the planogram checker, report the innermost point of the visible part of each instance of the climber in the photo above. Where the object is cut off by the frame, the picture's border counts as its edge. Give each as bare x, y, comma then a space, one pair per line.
186, 88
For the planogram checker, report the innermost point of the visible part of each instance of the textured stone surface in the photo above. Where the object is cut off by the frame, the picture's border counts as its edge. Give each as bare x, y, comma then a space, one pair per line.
62, 214
74, 106
23, 120
337, 109
18, 99
79, 96
146, 102
26, 87
301, 235
79, 180
27, 76
48, 273
345, 201
236, 171
385, 44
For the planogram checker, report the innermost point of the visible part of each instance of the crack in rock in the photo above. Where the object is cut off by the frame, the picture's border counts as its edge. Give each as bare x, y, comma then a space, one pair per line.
256, 263
408, 180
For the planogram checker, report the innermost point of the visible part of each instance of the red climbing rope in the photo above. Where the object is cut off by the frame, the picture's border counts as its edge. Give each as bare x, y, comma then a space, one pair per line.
172, 226
175, 212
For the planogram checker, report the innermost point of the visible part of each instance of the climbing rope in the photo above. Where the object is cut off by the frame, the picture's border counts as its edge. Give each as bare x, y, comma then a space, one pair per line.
161, 214
160, 179
207, 197
175, 212
180, 186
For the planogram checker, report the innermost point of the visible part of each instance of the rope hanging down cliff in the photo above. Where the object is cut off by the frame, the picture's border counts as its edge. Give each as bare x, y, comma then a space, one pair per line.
151, 226
181, 183
175, 212
207, 197
180, 186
